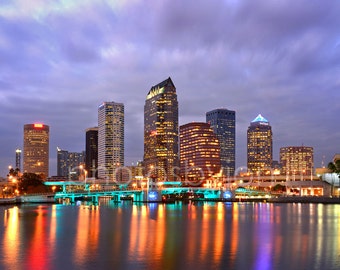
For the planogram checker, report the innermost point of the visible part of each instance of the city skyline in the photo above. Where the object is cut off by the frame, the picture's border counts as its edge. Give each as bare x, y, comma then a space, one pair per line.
60, 60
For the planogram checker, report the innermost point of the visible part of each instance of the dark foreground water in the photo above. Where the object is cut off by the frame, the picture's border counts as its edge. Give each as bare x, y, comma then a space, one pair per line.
174, 236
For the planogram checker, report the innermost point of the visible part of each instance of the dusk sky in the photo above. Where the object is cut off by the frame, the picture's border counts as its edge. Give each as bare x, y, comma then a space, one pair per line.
59, 60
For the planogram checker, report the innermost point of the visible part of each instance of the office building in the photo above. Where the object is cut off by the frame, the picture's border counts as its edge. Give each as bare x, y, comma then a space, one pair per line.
135, 174
336, 158
297, 161
222, 121
259, 146
110, 140
62, 163
161, 161
76, 164
199, 153
36, 149
70, 165
91, 149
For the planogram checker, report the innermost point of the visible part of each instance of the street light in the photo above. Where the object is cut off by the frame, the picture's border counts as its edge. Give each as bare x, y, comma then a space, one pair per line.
15, 181
82, 171
85, 173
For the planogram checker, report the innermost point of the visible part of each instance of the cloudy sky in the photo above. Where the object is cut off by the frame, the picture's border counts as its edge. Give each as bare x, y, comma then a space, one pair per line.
60, 59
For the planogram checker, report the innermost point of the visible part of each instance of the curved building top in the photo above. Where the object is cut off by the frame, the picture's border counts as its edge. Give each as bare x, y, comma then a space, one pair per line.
260, 120
160, 88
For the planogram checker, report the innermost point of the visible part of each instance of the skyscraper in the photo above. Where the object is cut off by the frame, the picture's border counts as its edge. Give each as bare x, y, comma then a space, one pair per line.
91, 148
199, 152
259, 145
70, 165
36, 149
76, 164
297, 161
110, 140
222, 121
62, 163
161, 159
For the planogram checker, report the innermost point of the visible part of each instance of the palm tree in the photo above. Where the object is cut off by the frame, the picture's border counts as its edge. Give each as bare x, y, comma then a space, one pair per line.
334, 168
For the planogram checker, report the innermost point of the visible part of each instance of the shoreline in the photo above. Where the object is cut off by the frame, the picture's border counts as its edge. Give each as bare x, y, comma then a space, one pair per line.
293, 199
286, 199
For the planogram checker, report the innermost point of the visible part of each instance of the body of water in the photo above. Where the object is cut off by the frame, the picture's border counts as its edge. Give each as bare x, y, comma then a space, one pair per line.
170, 236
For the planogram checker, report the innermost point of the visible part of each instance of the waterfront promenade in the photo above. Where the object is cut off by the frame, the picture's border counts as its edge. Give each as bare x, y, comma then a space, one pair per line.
168, 195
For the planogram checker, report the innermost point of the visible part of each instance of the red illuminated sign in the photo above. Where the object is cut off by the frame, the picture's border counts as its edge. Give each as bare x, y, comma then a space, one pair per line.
38, 125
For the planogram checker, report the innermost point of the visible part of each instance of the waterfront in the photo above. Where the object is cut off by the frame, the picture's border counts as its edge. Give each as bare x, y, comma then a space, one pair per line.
170, 236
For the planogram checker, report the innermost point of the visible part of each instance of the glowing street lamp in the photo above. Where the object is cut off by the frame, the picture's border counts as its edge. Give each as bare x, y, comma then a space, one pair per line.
15, 181
82, 172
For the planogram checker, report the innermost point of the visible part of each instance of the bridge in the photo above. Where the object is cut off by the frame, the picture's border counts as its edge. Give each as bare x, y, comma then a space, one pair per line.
167, 191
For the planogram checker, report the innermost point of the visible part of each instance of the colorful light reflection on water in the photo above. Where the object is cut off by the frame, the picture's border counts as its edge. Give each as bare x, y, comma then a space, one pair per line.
170, 236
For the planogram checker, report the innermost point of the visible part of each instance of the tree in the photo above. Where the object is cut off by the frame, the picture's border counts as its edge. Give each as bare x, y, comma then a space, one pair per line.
279, 188
334, 168
32, 183
13, 172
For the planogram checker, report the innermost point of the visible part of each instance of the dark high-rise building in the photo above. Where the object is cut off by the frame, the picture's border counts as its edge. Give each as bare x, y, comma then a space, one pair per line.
297, 161
199, 152
91, 149
36, 149
76, 164
222, 121
110, 140
161, 132
18, 159
259, 145
62, 163
71, 164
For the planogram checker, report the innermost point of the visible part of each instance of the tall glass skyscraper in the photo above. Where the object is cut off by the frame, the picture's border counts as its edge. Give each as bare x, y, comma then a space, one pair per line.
161, 159
222, 121
36, 149
62, 163
91, 148
259, 145
110, 140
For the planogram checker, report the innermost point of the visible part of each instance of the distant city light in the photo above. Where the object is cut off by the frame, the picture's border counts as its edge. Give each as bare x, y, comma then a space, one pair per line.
153, 195
227, 195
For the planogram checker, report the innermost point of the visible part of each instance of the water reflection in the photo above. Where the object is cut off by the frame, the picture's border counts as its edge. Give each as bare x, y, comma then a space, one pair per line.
174, 236
10, 248
87, 235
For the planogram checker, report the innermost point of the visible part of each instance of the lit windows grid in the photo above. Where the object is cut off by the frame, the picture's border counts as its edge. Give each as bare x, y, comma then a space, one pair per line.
259, 147
161, 131
110, 139
222, 121
36, 149
199, 152
297, 160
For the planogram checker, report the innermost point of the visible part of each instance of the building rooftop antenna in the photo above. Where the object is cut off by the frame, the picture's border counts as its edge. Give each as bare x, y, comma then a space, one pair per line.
323, 162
